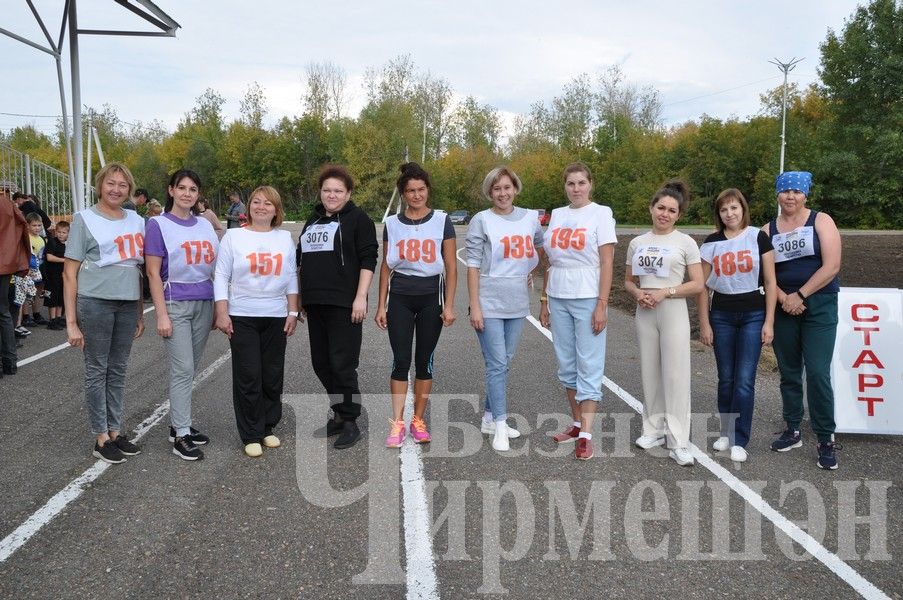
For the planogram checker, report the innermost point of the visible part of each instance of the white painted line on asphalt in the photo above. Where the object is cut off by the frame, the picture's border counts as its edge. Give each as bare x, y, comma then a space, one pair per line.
848, 574
54, 350
61, 499
421, 569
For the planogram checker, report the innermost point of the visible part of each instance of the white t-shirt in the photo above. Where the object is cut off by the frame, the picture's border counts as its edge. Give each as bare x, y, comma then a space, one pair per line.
660, 261
572, 243
255, 271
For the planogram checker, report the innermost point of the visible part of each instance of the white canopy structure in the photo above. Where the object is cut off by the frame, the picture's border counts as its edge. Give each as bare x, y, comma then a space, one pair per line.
164, 26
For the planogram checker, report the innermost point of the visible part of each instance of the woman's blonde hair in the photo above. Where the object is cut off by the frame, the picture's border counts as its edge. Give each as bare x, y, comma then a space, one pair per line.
114, 167
270, 193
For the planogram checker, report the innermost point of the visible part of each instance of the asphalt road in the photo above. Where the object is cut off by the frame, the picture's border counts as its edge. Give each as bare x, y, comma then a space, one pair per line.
308, 521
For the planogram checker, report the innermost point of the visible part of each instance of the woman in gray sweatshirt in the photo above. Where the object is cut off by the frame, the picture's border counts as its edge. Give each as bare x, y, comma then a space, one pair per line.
504, 244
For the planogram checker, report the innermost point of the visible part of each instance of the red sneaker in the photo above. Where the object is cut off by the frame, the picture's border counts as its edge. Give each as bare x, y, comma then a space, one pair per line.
584, 450
568, 435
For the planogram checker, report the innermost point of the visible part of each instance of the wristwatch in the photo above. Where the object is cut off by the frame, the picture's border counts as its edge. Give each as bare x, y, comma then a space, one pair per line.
671, 292
293, 313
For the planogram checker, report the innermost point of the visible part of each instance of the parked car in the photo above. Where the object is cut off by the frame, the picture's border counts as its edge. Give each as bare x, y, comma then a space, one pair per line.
460, 217
543, 216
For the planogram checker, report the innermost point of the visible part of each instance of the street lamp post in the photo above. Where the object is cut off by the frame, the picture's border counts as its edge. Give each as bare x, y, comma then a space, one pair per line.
785, 67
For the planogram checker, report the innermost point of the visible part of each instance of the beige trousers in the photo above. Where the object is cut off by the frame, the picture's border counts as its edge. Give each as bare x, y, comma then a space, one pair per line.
664, 339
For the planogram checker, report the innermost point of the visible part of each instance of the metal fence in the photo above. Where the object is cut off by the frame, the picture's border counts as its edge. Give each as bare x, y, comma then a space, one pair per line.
50, 185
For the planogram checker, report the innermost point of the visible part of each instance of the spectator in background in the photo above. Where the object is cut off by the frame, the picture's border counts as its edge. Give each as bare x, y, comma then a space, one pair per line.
235, 210
14, 253
138, 202
55, 254
154, 208
29, 204
32, 311
202, 209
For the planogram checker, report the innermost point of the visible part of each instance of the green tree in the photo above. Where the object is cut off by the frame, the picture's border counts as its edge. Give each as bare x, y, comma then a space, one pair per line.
862, 76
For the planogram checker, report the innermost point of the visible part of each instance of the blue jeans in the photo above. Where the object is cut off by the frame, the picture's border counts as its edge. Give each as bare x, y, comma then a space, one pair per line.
738, 344
580, 354
108, 327
499, 340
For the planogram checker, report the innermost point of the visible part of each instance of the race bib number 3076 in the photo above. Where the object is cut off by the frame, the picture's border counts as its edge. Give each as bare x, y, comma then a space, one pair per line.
319, 237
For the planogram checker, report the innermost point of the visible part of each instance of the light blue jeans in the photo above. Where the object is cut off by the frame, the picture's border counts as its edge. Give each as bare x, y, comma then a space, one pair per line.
108, 327
580, 354
499, 340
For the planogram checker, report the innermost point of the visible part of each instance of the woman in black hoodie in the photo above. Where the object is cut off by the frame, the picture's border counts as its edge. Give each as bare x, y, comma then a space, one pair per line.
337, 253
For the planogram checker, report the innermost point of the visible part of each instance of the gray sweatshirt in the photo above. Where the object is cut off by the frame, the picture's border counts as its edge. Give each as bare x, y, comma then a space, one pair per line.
500, 297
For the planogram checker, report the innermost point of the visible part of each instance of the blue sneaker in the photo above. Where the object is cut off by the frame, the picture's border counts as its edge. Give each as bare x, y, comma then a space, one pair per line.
790, 439
827, 459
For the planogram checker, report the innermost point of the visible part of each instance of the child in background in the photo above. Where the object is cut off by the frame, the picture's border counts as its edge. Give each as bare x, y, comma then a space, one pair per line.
54, 254
32, 314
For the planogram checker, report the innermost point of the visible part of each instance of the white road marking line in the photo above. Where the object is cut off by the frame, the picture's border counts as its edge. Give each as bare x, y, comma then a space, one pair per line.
848, 574
61, 499
54, 350
420, 569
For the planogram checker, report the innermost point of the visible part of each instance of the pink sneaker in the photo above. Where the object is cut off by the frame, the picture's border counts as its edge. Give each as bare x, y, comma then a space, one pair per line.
396, 434
419, 432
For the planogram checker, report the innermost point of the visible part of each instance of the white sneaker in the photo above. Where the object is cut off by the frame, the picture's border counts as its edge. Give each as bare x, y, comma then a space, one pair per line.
721, 444
738, 454
650, 441
489, 428
682, 456
500, 438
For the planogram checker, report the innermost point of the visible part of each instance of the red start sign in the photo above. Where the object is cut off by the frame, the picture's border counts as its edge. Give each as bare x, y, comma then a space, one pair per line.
867, 372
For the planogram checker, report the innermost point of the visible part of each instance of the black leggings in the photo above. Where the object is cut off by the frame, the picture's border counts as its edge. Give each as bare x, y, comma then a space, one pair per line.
407, 314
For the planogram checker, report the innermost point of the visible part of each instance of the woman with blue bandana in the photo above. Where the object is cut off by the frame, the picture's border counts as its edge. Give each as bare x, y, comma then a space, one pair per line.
807, 259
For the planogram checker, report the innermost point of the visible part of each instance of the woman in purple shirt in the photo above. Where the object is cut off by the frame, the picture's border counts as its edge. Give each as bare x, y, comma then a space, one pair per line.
180, 254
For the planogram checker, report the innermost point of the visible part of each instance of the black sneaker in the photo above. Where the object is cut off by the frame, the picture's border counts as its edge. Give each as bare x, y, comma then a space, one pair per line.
108, 453
56, 324
790, 439
9, 367
39, 319
349, 436
827, 459
125, 446
197, 438
28, 321
333, 427
185, 449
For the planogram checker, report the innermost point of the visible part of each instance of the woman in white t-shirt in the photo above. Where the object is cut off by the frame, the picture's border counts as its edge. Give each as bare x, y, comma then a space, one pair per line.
580, 243
658, 263
256, 294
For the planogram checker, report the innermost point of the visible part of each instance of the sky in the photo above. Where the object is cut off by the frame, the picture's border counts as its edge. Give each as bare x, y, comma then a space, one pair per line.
704, 57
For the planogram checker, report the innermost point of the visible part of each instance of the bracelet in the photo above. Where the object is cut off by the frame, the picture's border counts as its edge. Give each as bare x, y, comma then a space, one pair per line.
801, 295
543, 298
603, 300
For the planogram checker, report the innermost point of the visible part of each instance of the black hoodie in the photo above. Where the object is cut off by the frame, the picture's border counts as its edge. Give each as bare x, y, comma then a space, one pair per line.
332, 277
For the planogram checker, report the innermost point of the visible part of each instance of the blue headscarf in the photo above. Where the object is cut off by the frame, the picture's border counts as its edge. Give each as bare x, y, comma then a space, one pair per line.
793, 180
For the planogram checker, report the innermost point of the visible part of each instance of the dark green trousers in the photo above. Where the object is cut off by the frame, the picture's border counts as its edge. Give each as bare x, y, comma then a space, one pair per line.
807, 340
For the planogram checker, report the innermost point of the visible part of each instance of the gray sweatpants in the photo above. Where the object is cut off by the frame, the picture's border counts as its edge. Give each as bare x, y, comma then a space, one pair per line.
191, 323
